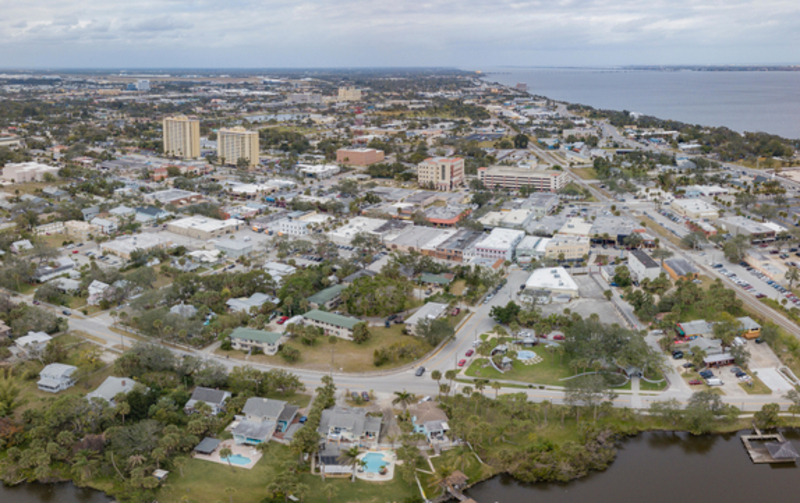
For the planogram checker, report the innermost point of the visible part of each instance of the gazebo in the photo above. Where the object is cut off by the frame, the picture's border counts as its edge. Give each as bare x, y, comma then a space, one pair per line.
781, 450
207, 446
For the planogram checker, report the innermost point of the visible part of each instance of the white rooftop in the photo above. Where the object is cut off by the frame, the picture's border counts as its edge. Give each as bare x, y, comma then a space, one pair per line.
551, 278
501, 239
206, 224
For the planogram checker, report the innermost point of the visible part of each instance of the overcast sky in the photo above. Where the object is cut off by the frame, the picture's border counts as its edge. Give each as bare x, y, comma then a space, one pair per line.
470, 34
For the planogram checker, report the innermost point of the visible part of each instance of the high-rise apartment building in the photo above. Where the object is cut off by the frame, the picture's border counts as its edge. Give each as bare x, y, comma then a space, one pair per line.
441, 173
508, 177
182, 137
349, 94
238, 143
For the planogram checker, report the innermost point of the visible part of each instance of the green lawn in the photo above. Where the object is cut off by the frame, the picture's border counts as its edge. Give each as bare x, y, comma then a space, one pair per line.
204, 481
585, 173
758, 387
460, 458
549, 371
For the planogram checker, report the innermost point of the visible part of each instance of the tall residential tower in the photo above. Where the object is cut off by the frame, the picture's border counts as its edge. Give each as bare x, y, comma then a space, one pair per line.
182, 137
238, 143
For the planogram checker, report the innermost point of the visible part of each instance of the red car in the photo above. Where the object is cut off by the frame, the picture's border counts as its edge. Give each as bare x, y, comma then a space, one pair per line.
558, 337
455, 311
462, 362
282, 320
470, 352
74, 251
695, 382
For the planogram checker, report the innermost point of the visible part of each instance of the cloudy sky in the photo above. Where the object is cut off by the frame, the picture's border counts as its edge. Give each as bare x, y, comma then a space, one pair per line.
333, 33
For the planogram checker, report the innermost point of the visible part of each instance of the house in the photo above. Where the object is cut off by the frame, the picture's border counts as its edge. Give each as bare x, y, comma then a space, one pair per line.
5, 330
697, 328
247, 339
21, 246
430, 420
327, 298
90, 212
750, 329
435, 279
62, 266
97, 290
183, 310
361, 273
342, 424
34, 341
122, 211
263, 417
256, 300
56, 377
212, 397
110, 388
150, 214
106, 226
332, 324
430, 311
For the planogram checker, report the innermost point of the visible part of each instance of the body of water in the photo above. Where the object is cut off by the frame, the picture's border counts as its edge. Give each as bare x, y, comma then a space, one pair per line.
742, 101
51, 493
663, 468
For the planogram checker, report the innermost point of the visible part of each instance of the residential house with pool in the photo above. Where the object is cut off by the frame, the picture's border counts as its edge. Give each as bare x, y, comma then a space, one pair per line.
262, 418
343, 424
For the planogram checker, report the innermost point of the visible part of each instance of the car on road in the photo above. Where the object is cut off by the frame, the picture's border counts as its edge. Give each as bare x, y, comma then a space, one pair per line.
36, 302
391, 317
469, 353
420, 371
66, 312
462, 362
365, 396
74, 251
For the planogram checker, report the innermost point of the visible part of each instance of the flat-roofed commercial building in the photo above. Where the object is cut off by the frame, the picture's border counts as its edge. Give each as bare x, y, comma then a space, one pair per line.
499, 244
175, 197
453, 248
359, 156
643, 266
757, 232
238, 143
27, 172
203, 227
181, 137
554, 280
508, 177
695, 208
441, 173
123, 246
567, 247
349, 94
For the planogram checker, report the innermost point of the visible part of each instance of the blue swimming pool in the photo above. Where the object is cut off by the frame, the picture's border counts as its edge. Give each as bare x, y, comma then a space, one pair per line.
238, 459
374, 461
525, 355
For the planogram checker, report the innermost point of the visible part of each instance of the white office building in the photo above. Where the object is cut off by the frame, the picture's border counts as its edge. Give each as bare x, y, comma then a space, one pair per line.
499, 244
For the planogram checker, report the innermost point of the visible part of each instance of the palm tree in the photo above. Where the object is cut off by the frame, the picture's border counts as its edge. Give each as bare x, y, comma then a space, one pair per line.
792, 275
329, 490
226, 453
404, 398
450, 375
158, 454
467, 391
230, 491
350, 458
480, 385
496, 387
135, 460
179, 463
301, 491
436, 376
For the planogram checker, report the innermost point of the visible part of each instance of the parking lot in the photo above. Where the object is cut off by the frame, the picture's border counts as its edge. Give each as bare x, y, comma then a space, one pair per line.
756, 283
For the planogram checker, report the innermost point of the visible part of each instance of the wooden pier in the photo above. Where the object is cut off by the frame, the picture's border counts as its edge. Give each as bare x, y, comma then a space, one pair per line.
774, 448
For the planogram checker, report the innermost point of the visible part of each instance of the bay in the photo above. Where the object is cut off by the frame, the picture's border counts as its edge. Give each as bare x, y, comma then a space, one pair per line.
742, 101
663, 467
56, 493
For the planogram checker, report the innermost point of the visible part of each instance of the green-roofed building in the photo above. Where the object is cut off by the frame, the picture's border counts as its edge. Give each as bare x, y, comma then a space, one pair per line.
248, 338
332, 324
434, 279
328, 298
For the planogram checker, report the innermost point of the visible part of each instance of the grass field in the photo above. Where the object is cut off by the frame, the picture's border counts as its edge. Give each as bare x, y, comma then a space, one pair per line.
548, 371
204, 481
457, 288
758, 387
585, 173
347, 356
662, 232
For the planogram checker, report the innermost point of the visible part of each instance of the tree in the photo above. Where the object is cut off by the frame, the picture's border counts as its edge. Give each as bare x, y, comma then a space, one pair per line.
792, 275
496, 386
435, 331
701, 410
329, 491
226, 453
608, 294
230, 491
521, 141
767, 417
661, 254
745, 199
735, 248
694, 240
361, 332
403, 398
507, 314
589, 391
741, 356
349, 457
437, 376
368, 245
668, 410
622, 276
794, 397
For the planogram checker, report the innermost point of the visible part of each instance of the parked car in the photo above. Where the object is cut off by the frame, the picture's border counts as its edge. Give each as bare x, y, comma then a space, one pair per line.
282, 320
355, 396
759, 341
66, 312
469, 353
677, 355
365, 396
36, 302
695, 382
74, 251
462, 362
558, 337
420, 371
688, 365
391, 317
455, 311
303, 419
706, 374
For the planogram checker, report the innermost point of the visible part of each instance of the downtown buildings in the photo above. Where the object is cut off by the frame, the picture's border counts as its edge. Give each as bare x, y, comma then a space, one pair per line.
441, 173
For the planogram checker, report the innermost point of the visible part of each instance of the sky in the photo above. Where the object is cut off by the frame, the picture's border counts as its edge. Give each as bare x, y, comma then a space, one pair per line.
469, 34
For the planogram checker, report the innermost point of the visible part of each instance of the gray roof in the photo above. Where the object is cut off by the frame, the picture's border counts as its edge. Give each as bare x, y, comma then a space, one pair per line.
264, 408
183, 310
256, 430
209, 396
434, 426
781, 450
326, 295
288, 436
431, 310
288, 413
333, 319
681, 267
697, 327
355, 420
361, 273
111, 387
58, 371
645, 259
207, 445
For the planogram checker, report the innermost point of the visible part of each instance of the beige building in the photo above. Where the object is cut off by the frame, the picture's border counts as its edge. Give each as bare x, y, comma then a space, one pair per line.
359, 156
199, 227
508, 177
349, 94
80, 231
442, 173
182, 137
27, 172
696, 209
572, 247
238, 143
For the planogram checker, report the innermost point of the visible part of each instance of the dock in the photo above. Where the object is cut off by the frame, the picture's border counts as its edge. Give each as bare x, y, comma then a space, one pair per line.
773, 449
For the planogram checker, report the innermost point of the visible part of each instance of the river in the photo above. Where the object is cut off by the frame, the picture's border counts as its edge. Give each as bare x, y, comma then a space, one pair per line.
55, 493
664, 468
742, 101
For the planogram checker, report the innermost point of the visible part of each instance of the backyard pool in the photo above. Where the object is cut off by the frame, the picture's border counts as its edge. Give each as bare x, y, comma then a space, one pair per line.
374, 461
238, 459
525, 355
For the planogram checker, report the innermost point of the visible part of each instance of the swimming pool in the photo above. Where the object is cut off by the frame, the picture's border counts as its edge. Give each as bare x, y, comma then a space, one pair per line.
238, 459
525, 355
374, 461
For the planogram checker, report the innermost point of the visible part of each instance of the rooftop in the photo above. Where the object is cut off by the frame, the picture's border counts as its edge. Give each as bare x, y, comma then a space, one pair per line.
336, 320
551, 278
501, 238
326, 295
256, 335
645, 259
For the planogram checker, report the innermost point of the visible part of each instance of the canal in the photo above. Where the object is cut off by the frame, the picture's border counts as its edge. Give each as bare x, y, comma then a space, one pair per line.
664, 468
50, 493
